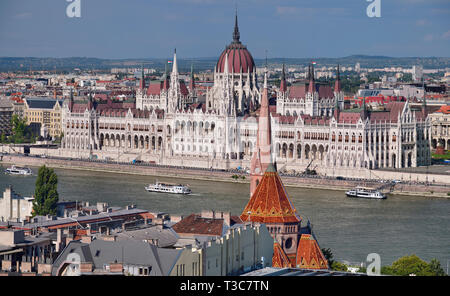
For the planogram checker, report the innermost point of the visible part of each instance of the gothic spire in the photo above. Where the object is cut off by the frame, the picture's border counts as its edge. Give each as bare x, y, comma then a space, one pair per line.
364, 113
192, 82
71, 99
337, 84
236, 34
175, 67
424, 102
142, 84
283, 86
311, 88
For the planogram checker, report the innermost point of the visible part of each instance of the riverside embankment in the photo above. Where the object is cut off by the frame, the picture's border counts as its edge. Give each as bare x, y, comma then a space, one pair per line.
315, 182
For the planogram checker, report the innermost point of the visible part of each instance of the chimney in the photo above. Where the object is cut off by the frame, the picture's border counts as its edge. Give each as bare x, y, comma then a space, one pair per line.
58, 239
207, 214
101, 206
86, 239
226, 216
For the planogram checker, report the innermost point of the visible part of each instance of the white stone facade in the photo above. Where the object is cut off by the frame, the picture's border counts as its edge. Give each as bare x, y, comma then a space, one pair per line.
14, 207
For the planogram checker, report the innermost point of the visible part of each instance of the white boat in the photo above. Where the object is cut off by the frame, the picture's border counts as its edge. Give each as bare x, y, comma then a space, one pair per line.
362, 192
15, 170
168, 188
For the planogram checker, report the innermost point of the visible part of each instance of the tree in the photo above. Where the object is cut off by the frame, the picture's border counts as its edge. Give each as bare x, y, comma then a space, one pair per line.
21, 132
411, 265
333, 265
46, 193
436, 268
3, 139
328, 255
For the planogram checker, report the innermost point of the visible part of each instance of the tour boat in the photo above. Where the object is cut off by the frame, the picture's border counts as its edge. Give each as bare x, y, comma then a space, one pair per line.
168, 188
15, 170
362, 192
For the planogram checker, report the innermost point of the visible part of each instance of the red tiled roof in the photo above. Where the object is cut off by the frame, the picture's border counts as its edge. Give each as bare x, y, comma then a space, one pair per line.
270, 202
154, 88
194, 224
309, 254
349, 117
299, 91
279, 258
394, 108
317, 120
444, 109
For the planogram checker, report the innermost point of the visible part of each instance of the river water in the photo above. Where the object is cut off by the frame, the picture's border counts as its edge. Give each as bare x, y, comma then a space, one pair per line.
351, 228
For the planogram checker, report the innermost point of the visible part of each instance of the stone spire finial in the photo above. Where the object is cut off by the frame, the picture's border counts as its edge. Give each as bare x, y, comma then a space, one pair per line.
236, 34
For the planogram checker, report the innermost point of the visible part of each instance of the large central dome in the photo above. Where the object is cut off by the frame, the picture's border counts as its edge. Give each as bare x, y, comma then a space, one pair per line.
238, 55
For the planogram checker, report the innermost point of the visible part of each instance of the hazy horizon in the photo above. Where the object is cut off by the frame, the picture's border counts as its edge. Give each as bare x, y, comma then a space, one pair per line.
216, 57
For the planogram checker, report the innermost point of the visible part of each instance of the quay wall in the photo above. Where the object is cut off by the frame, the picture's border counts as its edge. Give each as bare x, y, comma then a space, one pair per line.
206, 162
434, 190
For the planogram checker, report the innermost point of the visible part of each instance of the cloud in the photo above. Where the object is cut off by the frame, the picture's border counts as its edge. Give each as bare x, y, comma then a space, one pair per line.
421, 23
436, 37
428, 37
446, 35
308, 11
23, 15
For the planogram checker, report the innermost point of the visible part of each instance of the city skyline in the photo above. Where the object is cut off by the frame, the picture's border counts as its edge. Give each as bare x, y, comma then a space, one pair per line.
202, 28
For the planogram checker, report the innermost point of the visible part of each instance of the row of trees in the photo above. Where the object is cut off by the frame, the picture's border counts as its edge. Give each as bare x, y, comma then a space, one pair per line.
404, 266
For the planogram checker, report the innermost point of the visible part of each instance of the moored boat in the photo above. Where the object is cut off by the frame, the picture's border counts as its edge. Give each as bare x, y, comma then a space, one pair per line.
16, 170
363, 192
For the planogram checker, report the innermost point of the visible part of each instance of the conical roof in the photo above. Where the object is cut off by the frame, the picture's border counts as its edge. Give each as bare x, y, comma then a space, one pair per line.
309, 254
279, 258
270, 202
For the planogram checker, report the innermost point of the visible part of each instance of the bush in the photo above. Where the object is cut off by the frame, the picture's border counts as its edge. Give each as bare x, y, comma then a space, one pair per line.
338, 266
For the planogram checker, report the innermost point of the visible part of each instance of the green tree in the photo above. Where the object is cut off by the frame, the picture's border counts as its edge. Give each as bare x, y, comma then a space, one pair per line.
46, 193
3, 139
436, 268
21, 132
328, 255
411, 265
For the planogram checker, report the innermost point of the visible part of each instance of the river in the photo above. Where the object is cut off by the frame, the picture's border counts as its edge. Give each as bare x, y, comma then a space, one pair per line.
351, 228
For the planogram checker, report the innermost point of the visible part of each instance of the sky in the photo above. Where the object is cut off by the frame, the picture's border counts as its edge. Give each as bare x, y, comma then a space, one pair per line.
117, 29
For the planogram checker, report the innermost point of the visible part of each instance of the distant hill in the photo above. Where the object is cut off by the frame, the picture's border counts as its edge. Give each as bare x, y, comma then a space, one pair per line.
86, 63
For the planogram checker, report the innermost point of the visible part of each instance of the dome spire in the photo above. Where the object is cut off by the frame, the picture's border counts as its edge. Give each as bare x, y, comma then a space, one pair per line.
236, 34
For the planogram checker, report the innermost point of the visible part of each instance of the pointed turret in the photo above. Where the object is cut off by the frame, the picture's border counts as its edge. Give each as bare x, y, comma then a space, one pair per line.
166, 78
236, 34
364, 111
226, 69
424, 101
336, 108
312, 87
71, 100
142, 83
262, 156
337, 84
174, 65
283, 86
192, 82
90, 102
